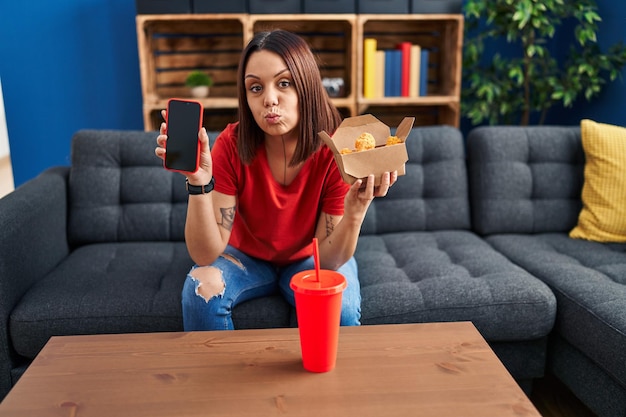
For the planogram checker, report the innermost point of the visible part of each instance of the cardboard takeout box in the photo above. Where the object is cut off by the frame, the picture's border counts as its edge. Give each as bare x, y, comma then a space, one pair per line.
375, 161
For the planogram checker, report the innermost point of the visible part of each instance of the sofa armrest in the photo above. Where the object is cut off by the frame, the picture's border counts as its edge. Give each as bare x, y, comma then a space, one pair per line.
33, 220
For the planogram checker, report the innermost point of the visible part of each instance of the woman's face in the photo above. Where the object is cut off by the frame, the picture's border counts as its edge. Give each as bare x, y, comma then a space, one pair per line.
271, 94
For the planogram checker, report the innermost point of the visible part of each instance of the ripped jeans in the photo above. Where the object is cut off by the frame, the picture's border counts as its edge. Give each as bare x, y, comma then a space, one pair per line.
245, 278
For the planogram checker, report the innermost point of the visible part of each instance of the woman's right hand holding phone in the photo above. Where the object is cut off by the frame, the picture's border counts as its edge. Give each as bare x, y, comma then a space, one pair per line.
205, 170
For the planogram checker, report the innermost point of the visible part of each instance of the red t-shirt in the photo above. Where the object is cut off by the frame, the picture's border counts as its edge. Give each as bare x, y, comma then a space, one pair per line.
275, 222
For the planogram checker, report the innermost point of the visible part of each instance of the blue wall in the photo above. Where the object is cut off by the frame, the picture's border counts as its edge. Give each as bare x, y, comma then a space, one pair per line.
609, 106
66, 65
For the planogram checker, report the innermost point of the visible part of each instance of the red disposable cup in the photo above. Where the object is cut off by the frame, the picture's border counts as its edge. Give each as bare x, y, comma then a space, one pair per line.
318, 308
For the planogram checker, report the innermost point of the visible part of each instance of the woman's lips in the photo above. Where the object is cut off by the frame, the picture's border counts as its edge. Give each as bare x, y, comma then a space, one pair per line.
272, 118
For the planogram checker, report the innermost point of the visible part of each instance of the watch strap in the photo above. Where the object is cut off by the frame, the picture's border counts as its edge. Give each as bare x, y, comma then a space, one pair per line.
200, 189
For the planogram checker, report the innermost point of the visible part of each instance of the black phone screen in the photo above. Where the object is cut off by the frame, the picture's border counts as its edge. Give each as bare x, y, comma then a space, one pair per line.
184, 119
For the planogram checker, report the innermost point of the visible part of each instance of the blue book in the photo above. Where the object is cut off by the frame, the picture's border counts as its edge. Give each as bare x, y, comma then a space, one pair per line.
398, 79
388, 73
397, 76
393, 73
424, 72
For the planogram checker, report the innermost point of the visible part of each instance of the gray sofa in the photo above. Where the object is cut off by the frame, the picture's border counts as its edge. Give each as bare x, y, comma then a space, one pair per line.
98, 247
525, 190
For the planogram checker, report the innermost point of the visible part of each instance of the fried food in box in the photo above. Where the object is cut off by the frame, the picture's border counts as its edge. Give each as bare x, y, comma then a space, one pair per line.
381, 158
365, 142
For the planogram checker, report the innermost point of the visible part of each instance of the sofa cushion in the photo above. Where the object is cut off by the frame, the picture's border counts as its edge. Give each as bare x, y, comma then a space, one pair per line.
104, 288
433, 193
119, 190
525, 179
121, 288
451, 276
603, 216
589, 281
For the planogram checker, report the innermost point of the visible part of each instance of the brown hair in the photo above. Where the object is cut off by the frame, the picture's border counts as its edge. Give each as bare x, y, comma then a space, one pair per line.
317, 112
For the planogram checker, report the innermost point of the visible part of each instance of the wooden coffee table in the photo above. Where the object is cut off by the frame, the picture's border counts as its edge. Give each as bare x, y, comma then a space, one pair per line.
438, 369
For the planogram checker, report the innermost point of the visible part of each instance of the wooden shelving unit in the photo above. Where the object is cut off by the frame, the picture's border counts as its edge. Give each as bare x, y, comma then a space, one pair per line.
171, 45
442, 35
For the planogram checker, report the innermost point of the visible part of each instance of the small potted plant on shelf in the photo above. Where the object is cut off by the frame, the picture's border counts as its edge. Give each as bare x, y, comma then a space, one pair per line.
199, 82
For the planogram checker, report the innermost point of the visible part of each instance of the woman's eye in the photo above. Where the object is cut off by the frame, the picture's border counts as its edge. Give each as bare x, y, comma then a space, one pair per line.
284, 83
255, 88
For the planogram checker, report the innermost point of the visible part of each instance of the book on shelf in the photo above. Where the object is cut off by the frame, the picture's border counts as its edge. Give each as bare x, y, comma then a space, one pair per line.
380, 74
405, 67
393, 73
414, 76
397, 86
389, 71
424, 72
369, 67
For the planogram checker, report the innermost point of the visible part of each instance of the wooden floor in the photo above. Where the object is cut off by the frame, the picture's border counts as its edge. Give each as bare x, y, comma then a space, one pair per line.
553, 399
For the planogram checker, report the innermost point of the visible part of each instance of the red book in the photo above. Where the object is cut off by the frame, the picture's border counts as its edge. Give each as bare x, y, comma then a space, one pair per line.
405, 48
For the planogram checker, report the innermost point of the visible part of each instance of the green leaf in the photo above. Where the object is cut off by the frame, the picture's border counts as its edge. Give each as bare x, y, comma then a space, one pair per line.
591, 16
557, 95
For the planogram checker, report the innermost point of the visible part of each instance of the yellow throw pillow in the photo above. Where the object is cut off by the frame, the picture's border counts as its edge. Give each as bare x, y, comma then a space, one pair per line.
603, 216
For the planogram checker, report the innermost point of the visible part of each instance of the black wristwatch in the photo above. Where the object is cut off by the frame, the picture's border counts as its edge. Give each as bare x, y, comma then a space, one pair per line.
200, 189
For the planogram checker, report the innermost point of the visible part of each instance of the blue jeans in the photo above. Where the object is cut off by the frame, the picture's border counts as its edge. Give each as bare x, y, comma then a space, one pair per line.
254, 278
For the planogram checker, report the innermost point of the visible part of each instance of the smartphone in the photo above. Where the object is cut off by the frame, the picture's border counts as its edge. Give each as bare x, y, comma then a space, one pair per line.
184, 121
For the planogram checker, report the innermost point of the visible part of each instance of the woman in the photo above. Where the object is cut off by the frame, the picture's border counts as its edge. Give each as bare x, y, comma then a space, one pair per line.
275, 188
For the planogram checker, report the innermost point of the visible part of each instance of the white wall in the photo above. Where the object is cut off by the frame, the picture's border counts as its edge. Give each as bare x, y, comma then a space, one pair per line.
4, 135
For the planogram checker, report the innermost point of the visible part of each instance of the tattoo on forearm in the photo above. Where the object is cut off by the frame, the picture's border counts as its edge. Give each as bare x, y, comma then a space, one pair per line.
330, 225
228, 217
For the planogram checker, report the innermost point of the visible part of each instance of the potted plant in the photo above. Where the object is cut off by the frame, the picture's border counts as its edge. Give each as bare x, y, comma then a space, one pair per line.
525, 80
199, 82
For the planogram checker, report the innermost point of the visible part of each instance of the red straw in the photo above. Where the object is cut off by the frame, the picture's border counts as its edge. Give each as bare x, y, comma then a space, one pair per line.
316, 258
